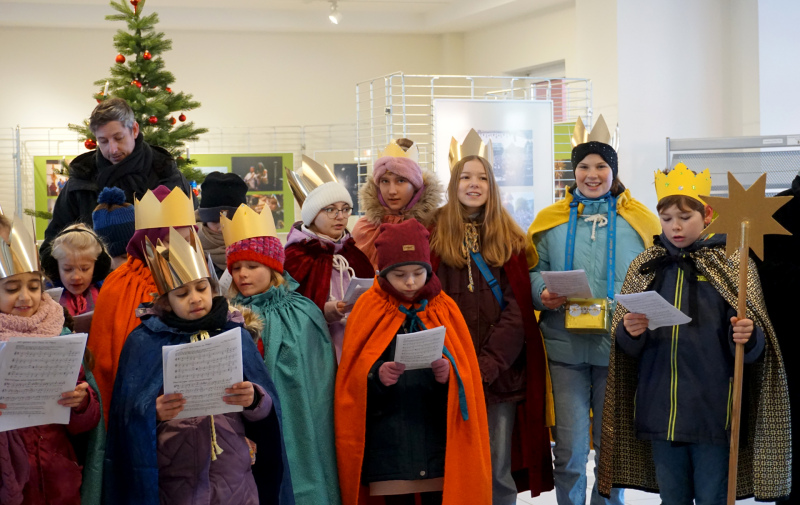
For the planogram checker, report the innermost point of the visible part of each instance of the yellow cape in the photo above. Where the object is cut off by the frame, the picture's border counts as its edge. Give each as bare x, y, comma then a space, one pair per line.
633, 211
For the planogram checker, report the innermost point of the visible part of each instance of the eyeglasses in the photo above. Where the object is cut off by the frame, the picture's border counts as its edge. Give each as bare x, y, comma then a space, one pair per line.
333, 212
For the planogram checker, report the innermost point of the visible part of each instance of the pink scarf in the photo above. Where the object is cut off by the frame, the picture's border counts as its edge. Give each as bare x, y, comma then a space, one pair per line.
47, 322
79, 304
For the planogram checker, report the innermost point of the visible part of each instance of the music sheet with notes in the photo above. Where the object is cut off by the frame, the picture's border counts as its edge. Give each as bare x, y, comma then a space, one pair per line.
34, 371
202, 370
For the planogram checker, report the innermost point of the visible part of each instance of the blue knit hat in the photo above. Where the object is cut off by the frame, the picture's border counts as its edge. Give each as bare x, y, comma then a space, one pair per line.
115, 227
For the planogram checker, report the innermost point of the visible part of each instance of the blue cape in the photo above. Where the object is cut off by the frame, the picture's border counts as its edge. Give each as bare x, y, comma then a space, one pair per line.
131, 466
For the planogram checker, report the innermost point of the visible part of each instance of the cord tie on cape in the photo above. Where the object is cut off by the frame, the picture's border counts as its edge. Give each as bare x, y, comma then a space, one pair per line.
596, 219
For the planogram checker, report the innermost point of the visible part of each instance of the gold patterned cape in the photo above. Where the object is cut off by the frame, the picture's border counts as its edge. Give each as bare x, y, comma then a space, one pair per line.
765, 457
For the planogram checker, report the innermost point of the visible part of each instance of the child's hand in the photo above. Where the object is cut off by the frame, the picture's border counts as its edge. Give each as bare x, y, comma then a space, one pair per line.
333, 311
390, 372
441, 370
635, 324
241, 393
169, 406
74, 398
742, 330
551, 300
2, 406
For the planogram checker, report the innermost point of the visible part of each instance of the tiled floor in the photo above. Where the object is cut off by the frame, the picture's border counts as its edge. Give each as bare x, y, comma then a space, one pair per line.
632, 496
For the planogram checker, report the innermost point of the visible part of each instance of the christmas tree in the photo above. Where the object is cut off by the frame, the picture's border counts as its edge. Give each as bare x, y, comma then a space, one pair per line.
139, 77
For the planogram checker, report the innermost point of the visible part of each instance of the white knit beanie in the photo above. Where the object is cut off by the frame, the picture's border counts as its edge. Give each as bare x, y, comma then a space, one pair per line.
327, 194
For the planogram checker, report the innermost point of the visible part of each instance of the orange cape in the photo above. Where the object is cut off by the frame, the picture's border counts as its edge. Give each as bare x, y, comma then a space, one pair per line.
373, 324
114, 318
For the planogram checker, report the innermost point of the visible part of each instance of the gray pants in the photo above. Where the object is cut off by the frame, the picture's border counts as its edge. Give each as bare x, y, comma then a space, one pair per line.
501, 425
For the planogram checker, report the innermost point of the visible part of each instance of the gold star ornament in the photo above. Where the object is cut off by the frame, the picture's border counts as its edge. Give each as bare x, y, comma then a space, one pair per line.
746, 205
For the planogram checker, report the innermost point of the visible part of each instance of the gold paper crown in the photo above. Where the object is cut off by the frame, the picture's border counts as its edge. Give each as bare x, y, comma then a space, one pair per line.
600, 133
397, 151
19, 255
310, 176
186, 261
247, 223
473, 146
176, 210
681, 181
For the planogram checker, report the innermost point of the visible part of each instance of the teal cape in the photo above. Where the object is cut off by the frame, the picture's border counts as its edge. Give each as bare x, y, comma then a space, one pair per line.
300, 358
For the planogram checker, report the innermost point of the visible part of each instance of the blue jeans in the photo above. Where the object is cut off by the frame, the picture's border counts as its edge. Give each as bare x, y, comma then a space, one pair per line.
576, 388
501, 424
687, 472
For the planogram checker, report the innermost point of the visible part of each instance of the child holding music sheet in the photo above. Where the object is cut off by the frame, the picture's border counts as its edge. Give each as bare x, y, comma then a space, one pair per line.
322, 256
38, 464
402, 432
672, 386
297, 351
199, 460
77, 259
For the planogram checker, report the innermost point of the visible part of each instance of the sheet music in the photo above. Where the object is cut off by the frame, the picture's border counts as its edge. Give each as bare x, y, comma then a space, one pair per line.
83, 322
34, 371
225, 282
55, 293
419, 349
201, 371
570, 283
658, 310
356, 288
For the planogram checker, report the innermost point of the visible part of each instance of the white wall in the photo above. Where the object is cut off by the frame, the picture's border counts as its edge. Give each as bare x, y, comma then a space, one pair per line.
241, 79
595, 54
779, 66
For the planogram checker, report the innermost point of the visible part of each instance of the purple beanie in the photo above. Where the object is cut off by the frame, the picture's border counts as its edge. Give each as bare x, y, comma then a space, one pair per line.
404, 167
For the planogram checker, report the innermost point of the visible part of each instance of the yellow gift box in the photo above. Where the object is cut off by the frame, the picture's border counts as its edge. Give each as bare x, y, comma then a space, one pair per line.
588, 315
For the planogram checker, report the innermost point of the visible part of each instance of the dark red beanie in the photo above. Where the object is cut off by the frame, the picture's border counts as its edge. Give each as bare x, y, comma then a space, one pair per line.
401, 244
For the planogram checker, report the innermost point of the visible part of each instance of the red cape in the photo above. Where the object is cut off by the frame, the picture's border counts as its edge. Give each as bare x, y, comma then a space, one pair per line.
114, 319
373, 324
531, 437
310, 263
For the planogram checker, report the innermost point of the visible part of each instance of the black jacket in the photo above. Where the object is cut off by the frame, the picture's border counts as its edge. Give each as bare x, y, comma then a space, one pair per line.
78, 198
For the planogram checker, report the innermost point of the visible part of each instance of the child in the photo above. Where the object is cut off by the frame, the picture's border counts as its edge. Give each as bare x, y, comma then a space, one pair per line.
113, 220
398, 190
495, 298
680, 405
78, 261
154, 458
296, 347
323, 257
221, 194
38, 464
420, 431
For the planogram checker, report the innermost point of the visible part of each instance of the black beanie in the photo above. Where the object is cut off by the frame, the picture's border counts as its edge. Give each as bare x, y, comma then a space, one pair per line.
220, 192
604, 150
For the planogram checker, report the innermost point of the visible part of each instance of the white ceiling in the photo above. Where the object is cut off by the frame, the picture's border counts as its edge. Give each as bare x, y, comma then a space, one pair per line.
358, 16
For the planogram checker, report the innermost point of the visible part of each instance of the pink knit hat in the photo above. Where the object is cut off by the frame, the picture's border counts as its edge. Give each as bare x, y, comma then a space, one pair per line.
265, 250
404, 167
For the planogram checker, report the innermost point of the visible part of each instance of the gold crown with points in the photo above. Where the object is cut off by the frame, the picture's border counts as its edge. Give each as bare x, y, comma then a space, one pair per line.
681, 181
176, 210
473, 146
247, 223
395, 150
599, 133
185, 263
19, 255
310, 176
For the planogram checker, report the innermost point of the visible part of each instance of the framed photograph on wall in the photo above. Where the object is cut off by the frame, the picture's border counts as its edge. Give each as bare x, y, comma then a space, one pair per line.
521, 132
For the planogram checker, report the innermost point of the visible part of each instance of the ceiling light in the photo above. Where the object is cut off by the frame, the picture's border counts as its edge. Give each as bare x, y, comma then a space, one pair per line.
335, 16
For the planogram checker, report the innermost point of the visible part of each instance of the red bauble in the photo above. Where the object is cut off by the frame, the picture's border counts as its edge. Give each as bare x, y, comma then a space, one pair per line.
136, 83
182, 117
168, 90
147, 55
172, 120
135, 3
180, 158
98, 100
120, 58
153, 120
89, 143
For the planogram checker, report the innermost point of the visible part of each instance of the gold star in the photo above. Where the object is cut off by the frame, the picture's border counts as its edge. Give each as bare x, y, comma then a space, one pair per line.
749, 205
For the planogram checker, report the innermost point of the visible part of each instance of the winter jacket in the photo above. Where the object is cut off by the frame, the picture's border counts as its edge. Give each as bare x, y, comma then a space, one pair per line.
149, 462
310, 261
77, 200
590, 255
299, 355
686, 371
367, 228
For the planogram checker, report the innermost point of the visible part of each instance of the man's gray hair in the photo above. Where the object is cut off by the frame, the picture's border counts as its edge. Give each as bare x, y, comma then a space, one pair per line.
113, 109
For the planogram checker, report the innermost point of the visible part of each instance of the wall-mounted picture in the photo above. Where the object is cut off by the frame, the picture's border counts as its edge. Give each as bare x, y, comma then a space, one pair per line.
275, 203
56, 177
563, 177
520, 205
347, 175
261, 173
513, 156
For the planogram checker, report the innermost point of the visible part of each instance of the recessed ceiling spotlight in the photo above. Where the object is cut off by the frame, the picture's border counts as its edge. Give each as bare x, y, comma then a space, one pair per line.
335, 16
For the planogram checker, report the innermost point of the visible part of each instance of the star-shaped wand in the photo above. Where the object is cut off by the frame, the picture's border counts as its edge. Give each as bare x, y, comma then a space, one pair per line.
745, 216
